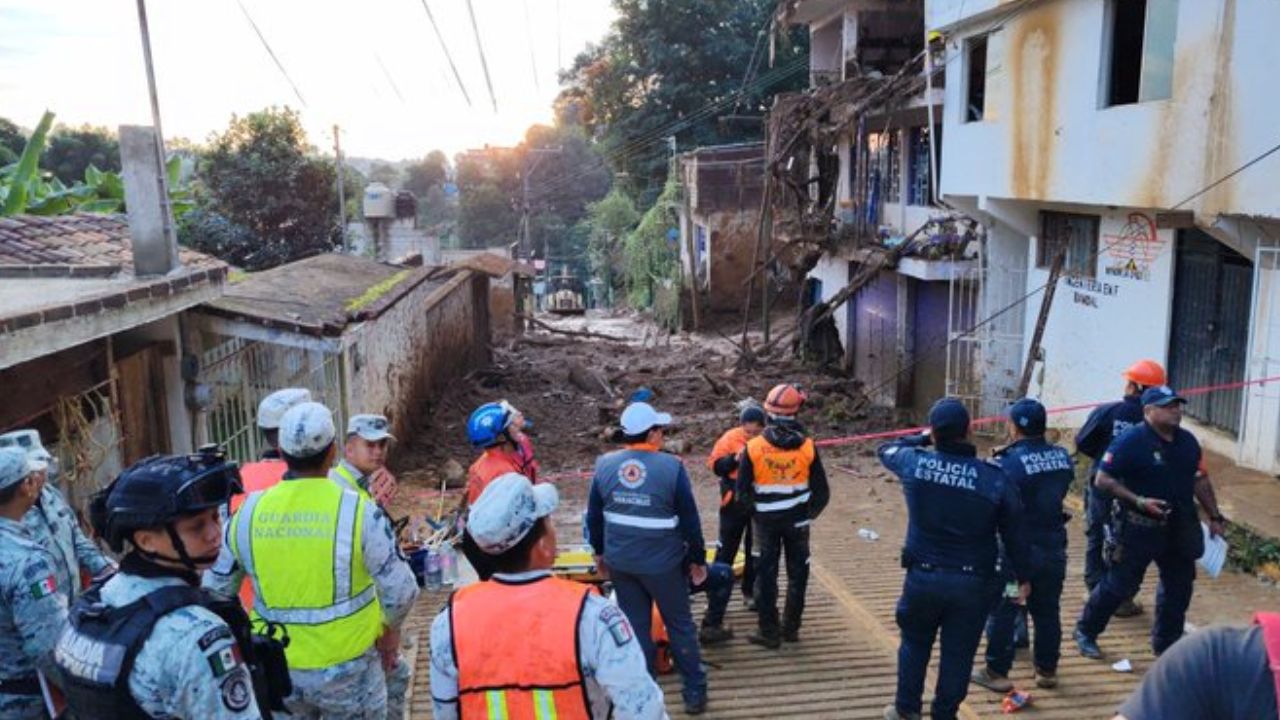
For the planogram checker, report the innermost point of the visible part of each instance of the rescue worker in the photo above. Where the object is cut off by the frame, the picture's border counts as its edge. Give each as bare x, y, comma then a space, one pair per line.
149, 642
1223, 672
1152, 471
32, 610
270, 467
363, 469
644, 528
325, 567
52, 522
491, 428
735, 522
524, 444
1105, 424
1043, 473
524, 644
781, 482
957, 507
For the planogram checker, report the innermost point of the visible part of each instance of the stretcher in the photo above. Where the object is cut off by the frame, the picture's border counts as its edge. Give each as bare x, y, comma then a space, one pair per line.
576, 562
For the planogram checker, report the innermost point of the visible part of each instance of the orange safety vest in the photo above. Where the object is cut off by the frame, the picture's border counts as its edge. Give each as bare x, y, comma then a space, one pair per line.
779, 469
732, 442
491, 464
255, 476
516, 648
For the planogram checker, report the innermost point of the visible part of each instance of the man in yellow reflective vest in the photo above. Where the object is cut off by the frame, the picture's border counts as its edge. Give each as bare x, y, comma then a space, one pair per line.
324, 565
527, 645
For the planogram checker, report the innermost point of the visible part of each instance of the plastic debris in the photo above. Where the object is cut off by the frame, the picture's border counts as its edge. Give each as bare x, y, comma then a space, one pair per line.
1123, 666
1015, 701
868, 534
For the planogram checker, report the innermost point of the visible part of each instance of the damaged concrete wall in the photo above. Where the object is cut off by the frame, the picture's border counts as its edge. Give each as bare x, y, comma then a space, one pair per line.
731, 240
396, 363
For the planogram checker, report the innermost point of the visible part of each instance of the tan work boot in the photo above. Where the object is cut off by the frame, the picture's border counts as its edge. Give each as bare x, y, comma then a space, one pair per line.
991, 680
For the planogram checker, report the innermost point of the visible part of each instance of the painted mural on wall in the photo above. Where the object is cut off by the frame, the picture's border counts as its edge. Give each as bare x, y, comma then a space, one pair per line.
1131, 252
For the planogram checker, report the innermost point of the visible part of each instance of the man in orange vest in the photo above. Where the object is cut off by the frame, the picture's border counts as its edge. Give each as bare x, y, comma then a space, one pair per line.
735, 522
525, 644
781, 479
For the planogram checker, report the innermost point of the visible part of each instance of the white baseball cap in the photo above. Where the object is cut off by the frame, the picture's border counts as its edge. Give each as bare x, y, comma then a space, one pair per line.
507, 510
640, 417
306, 429
274, 406
28, 441
14, 466
370, 427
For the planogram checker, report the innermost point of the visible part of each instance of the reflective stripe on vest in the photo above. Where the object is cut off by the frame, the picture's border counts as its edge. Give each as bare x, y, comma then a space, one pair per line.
784, 504
300, 543
780, 477
529, 669
645, 523
349, 480
1270, 623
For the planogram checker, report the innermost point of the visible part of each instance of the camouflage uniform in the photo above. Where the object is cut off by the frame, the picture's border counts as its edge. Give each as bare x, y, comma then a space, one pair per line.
187, 668
610, 657
54, 526
356, 688
32, 615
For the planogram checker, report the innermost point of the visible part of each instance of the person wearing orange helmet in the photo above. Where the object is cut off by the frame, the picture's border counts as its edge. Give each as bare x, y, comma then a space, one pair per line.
1104, 424
781, 480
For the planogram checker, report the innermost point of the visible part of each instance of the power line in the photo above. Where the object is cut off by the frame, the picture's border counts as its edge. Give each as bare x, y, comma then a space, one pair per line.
448, 55
271, 52
484, 63
533, 56
387, 74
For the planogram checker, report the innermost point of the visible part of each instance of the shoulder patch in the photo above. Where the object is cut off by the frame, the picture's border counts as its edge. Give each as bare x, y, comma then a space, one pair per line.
223, 662
619, 628
44, 588
219, 633
237, 691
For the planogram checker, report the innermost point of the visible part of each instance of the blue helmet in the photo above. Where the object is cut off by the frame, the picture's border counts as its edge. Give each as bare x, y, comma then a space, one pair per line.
488, 425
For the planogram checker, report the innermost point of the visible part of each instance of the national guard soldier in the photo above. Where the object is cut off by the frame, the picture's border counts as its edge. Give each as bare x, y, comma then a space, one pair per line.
32, 611
53, 523
148, 642
957, 505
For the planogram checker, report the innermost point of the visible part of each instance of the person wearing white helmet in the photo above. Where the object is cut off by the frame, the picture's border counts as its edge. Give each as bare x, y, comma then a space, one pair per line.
51, 521
525, 642
271, 410
325, 567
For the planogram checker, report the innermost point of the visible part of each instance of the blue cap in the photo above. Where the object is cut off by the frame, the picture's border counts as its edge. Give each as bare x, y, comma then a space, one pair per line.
1160, 396
949, 419
641, 395
751, 414
1029, 415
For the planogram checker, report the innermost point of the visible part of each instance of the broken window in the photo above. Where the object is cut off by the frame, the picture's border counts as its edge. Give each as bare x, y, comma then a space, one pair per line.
1077, 234
1140, 48
975, 94
919, 180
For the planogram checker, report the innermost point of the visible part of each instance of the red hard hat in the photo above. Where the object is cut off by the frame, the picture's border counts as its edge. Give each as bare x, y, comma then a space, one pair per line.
1147, 373
784, 399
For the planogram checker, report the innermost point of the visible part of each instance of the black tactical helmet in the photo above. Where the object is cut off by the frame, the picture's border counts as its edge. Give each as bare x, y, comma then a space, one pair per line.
156, 491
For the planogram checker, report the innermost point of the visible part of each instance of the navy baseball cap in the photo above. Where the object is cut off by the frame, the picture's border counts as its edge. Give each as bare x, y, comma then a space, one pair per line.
1029, 415
1160, 396
949, 419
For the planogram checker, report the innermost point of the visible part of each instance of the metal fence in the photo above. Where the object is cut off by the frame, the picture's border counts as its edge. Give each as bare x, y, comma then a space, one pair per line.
984, 363
241, 372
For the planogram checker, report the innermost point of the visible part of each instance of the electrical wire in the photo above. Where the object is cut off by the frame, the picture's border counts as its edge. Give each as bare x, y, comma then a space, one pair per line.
266, 45
484, 63
448, 55
533, 56
387, 74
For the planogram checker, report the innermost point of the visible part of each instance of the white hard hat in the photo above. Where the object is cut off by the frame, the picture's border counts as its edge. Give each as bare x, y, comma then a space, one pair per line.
306, 429
274, 406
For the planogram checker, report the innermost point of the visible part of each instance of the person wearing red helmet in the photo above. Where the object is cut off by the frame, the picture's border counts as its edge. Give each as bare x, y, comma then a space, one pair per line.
1105, 424
781, 480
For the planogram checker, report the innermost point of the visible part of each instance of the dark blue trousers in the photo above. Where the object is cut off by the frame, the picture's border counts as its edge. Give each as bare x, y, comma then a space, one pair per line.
1044, 605
955, 605
1097, 511
773, 537
637, 595
735, 532
1141, 546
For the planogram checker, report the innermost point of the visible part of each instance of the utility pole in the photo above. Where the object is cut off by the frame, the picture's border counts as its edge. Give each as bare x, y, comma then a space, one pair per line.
166, 209
342, 192
526, 242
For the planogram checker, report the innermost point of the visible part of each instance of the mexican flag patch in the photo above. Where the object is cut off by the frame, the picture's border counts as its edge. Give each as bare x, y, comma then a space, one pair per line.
225, 660
43, 588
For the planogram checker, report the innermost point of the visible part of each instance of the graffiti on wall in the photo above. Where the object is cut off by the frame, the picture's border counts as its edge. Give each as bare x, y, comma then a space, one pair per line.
1131, 252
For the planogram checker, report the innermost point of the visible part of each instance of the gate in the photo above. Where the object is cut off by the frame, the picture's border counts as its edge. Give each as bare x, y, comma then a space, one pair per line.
1260, 441
984, 362
1208, 345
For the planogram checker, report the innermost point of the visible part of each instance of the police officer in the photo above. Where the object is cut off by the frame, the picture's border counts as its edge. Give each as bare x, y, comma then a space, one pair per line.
782, 482
1043, 473
530, 644
644, 527
32, 610
148, 642
325, 566
363, 469
1104, 424
735, 521
1152, 471
52, 522
957, 505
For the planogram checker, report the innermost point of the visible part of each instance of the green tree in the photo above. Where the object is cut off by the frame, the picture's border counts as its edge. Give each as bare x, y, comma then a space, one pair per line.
607, 224
262, 175
427, 173
72, 150
649, 255
12, 140
386, 173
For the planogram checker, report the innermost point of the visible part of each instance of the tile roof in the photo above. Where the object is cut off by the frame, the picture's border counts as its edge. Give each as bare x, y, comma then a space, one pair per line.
77, 240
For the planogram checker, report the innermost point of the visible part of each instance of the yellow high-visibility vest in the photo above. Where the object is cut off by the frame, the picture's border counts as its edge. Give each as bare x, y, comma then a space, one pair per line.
300, 544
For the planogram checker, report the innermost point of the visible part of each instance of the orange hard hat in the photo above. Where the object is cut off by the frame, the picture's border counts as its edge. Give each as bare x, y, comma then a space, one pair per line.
784, 399
1147, 373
